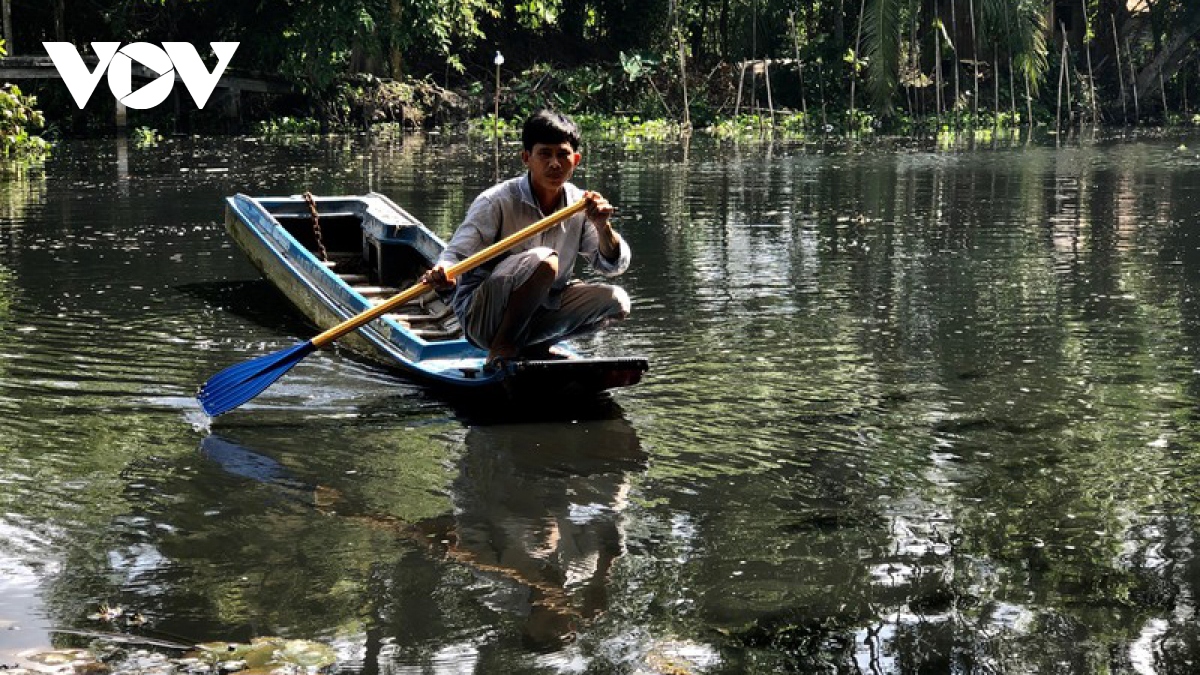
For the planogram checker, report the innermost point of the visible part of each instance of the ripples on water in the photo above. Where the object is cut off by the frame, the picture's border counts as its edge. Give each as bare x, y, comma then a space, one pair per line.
907, 410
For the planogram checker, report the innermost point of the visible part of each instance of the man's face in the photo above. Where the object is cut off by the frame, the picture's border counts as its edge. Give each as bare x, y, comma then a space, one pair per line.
550, 165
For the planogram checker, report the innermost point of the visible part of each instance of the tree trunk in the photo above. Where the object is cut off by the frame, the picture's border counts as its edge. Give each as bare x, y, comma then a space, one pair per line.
395, 57
723, 29
574, 16
697, 33
8, 36
862, 9
1168, 60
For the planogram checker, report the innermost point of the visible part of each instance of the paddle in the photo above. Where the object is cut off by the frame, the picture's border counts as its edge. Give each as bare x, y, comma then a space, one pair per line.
237, 384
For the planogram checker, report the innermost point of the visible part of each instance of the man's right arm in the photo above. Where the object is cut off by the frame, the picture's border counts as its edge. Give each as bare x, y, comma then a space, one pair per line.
478, 230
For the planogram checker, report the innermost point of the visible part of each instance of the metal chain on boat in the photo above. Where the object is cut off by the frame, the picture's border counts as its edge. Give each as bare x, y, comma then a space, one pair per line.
322, 254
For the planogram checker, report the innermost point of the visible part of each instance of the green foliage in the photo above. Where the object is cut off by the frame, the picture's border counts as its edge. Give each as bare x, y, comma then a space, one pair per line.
19, 119
284, 126
322, 42
582, 89
145, 137
630, 129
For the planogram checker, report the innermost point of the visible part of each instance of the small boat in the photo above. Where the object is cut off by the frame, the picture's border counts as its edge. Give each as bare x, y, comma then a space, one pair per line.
338, 256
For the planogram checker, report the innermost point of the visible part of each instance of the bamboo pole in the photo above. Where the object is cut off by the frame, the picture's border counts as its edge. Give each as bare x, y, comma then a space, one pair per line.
1012, 90
799, 63
954, 32
975, 95
1087, 31
1163, 90
918, 96
862, 9
687, 110
1066, 56
1062, 69
1120, 70
754, 55
1028, 101
737, 106
1137, 108
821, 91
937, 68
767, 78
996, 82
8, 28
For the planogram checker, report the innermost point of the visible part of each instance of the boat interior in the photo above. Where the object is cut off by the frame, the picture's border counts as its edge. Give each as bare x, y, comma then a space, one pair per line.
377, 259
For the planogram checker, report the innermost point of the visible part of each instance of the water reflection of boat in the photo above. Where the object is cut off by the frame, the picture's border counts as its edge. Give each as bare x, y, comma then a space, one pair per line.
535, 515
336, 257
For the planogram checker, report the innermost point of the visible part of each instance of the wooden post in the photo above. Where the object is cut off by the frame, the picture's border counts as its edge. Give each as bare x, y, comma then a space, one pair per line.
233, 107
122, 118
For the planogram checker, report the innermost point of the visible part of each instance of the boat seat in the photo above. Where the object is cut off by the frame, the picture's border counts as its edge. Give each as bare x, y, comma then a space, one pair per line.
435, 333
408, 319
382, 292
418, 305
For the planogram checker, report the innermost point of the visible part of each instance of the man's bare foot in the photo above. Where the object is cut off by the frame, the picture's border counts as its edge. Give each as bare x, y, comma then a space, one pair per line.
498, 355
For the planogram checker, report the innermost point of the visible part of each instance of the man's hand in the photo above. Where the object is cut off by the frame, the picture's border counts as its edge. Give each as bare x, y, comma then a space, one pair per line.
437, 279
598, 213
598, 210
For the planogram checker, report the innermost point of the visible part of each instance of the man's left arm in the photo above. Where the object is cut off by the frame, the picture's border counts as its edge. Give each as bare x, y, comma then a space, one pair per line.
605, 249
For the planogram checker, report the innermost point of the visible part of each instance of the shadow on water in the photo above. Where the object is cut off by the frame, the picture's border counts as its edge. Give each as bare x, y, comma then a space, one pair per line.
254, 300
529, 527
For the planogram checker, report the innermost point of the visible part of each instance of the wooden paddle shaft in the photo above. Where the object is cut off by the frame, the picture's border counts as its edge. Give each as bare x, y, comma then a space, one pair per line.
453, 272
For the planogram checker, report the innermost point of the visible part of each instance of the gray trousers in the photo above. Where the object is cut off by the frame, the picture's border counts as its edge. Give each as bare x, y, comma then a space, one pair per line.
578, 309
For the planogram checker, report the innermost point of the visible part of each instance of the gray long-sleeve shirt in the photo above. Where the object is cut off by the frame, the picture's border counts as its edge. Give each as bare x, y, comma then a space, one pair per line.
510, 206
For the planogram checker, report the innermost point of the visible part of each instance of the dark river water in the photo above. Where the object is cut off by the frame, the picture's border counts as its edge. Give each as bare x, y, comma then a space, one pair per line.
909, 410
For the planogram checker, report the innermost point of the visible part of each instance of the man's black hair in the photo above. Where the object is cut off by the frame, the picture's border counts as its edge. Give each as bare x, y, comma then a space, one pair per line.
549, 126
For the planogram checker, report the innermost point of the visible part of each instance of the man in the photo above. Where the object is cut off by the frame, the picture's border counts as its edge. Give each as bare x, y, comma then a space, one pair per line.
520, 306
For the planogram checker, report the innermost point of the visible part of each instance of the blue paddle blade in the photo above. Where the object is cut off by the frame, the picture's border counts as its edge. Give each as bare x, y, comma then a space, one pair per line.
239, 383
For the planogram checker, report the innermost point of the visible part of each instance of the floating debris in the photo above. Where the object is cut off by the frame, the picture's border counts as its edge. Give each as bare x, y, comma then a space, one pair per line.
266, 655
57, 662
108, 613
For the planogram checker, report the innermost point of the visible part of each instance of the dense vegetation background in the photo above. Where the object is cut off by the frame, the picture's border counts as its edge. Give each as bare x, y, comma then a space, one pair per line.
815, 64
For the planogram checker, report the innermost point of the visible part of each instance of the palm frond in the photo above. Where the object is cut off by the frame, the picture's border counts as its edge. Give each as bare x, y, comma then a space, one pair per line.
881, 34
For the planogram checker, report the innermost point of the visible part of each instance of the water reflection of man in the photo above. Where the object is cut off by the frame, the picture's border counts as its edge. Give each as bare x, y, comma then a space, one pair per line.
538, 511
